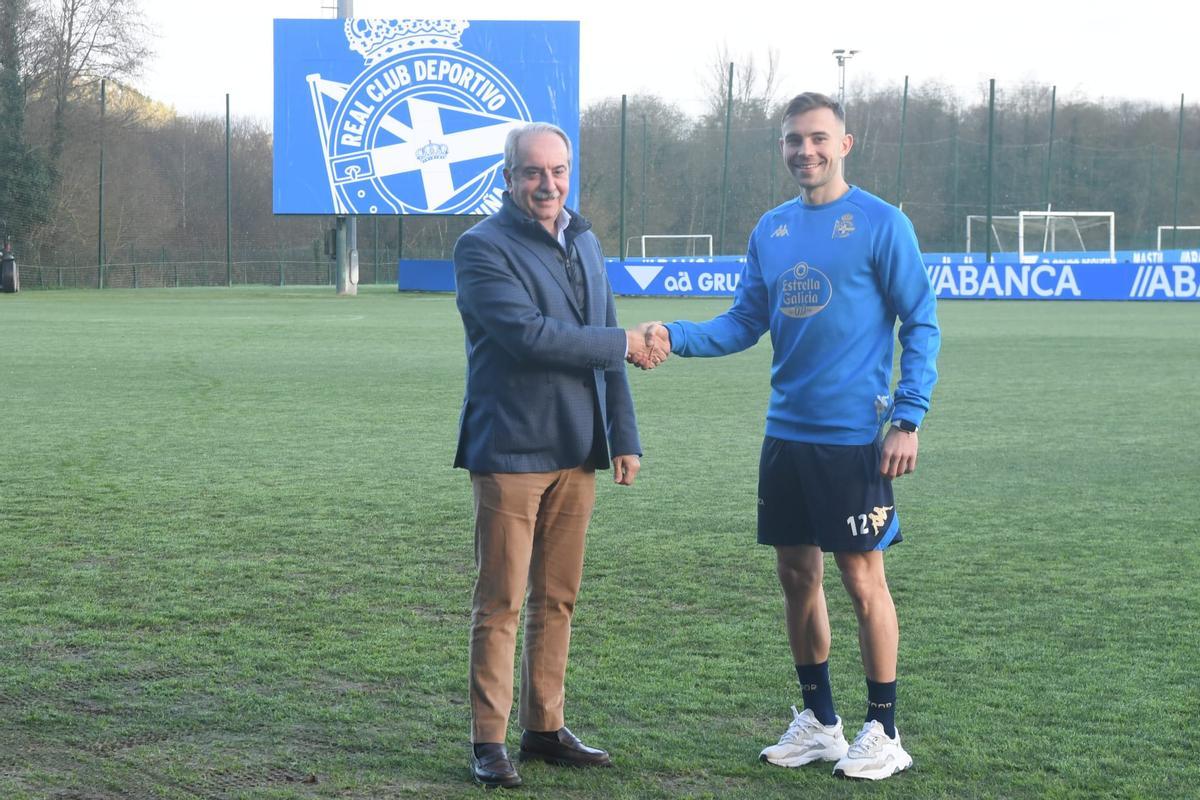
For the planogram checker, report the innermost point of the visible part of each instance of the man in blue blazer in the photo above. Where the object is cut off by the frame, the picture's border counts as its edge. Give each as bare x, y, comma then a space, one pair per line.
547, 403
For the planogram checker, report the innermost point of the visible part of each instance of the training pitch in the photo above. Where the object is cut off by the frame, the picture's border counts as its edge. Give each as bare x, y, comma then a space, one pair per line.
235, 561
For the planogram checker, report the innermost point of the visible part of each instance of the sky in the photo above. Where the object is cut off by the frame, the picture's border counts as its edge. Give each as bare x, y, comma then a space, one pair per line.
1144, 52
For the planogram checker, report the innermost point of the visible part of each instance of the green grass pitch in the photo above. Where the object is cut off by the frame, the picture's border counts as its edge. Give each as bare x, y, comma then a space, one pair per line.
235, 561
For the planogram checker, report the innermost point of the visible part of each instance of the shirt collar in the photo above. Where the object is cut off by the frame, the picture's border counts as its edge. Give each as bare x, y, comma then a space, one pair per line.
560, 227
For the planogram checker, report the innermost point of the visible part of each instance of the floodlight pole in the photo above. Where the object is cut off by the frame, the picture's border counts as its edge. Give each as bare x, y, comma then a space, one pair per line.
842, 57
347, 224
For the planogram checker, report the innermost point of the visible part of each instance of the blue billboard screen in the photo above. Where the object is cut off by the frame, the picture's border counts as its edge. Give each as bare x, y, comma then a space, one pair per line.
409, 116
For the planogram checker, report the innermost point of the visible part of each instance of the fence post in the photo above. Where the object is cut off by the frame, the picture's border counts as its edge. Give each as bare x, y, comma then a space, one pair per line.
954, 224
399, 246
1178, 171
725, 169
987, 233
645, 156
228, 203
100, 204
621, 183
900, 157
1050, 145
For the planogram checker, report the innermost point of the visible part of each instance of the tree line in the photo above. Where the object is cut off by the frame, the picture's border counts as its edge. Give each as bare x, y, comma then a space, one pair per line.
164, 173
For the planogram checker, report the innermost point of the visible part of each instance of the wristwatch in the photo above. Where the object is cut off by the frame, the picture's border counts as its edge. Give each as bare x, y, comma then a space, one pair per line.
905, 425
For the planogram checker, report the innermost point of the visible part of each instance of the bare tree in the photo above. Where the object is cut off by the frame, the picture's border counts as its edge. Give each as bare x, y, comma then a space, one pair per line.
75, 43
754, 84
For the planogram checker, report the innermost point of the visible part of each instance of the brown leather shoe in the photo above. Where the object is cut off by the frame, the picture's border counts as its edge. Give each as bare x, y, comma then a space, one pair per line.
490, 766
562, 748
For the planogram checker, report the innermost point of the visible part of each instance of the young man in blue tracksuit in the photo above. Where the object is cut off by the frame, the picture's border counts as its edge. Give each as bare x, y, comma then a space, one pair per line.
828, 274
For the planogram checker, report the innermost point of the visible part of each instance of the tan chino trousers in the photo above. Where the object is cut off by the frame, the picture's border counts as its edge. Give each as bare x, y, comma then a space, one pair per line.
529, 536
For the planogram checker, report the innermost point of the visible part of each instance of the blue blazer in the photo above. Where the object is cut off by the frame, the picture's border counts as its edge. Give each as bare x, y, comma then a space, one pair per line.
546, 382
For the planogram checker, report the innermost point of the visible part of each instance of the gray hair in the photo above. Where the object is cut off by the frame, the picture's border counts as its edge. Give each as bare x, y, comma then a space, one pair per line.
516, 134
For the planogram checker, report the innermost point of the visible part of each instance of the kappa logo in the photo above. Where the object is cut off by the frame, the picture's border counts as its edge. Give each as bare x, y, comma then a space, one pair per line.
780, 231
843, 227
878, 517
421, 130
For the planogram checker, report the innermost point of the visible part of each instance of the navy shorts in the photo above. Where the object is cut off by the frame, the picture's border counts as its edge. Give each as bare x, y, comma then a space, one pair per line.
827, 495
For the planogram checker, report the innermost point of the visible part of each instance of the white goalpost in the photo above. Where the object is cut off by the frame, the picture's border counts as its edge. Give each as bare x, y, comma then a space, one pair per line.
1029, 233
691, 242
1164, 228
1071, 226
1000, 224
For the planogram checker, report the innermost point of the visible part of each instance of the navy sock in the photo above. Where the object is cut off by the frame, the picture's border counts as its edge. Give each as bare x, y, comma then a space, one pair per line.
881, 705
818, 696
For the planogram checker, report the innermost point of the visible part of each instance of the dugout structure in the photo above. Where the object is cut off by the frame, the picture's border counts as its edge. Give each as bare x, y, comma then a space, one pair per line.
1032, 233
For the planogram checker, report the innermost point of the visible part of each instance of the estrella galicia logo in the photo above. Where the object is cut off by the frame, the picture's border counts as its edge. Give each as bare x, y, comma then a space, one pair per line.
803, 291
421, 130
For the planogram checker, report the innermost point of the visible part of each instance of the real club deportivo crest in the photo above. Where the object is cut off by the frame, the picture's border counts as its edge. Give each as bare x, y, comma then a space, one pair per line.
843, 227
422, 128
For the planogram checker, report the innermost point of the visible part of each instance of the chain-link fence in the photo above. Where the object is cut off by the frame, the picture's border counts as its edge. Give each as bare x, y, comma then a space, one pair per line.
143, 202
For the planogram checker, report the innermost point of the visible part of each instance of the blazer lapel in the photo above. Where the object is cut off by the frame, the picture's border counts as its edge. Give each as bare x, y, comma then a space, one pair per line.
548, 255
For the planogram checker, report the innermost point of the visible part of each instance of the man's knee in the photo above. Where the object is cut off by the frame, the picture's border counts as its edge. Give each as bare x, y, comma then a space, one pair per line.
800, 570
863, 577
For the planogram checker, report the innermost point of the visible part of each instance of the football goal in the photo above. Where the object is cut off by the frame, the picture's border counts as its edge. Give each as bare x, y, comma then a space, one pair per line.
670, 244
1184, 236
1034, 233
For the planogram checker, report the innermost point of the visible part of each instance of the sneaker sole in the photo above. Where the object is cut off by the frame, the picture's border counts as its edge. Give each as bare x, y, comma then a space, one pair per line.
801, 760
873, 775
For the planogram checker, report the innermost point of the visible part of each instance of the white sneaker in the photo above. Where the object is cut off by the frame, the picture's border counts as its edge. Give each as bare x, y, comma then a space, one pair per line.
806, 740
873, 756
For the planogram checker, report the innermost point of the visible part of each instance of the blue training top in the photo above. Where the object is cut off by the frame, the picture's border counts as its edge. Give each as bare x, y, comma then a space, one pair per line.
829, 282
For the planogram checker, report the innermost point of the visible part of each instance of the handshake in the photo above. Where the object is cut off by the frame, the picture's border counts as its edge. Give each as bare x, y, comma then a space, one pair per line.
649, 345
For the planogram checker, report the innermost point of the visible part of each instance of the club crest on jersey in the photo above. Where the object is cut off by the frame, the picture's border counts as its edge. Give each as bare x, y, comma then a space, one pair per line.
843, 227
421, 130
803, 291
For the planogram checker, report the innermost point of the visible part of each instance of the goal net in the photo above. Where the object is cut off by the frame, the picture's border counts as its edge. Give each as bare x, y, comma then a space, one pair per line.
670, 244
1034, 233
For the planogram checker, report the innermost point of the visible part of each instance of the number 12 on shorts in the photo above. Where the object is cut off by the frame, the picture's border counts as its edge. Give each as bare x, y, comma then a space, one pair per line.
877, 518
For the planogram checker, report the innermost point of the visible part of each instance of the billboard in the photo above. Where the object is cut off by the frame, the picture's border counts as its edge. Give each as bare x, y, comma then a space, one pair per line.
409, 116
1171, 275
